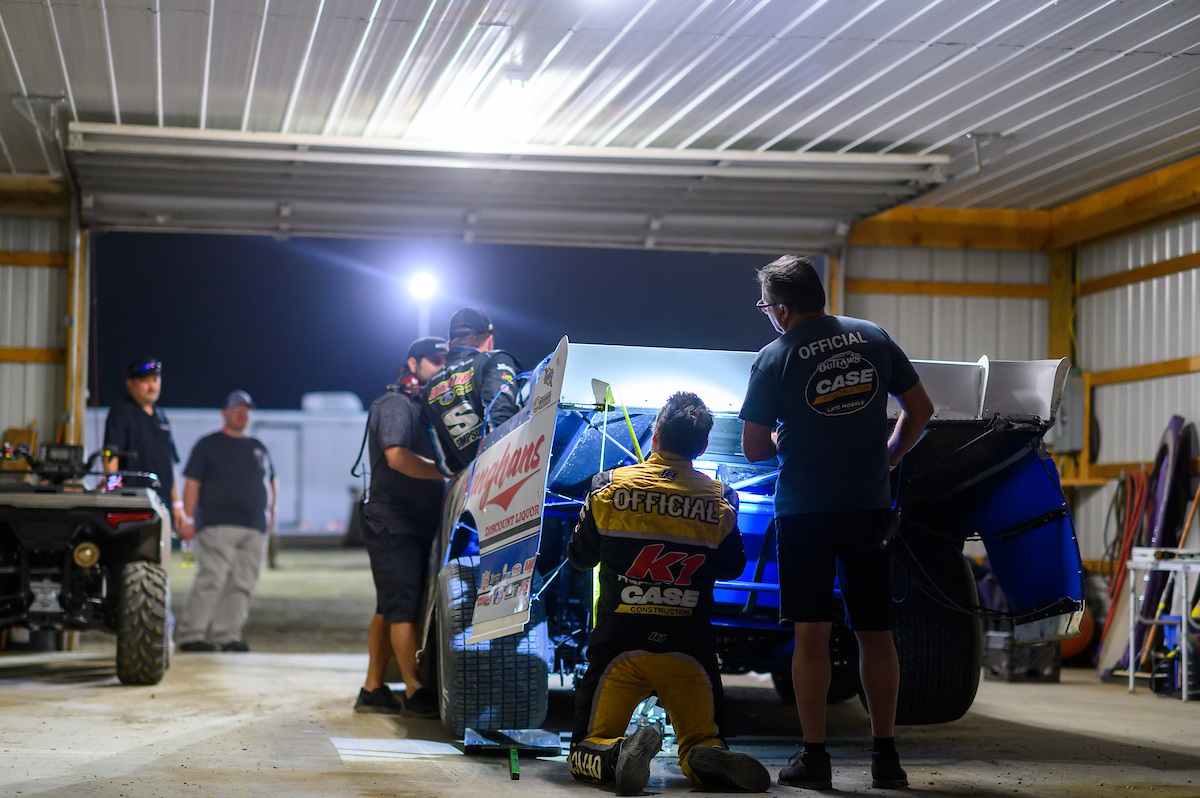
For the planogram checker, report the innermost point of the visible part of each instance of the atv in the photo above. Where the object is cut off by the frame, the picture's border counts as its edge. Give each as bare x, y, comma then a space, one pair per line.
78, 550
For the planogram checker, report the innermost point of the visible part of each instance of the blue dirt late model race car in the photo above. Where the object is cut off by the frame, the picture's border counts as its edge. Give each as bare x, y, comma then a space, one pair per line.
504, 611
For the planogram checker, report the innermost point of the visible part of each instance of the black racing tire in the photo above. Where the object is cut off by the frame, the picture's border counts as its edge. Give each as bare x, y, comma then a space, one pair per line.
940, 649
142, 624
782, 679
497, 684
843, 660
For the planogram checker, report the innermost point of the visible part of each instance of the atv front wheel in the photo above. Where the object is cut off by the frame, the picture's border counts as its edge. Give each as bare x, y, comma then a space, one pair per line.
142, 624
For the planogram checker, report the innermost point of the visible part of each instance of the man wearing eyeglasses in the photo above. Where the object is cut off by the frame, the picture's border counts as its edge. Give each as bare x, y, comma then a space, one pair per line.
138, 427
817, 398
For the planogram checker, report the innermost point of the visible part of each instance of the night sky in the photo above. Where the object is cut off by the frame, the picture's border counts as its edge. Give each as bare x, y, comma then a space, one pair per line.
280, 318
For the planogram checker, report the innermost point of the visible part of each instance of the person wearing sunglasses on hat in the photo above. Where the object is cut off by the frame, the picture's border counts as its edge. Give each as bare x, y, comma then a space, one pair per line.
817, 398
138, 428
475, 392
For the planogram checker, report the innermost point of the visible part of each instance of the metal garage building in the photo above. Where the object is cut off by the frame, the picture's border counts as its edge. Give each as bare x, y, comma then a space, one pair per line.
1015, 178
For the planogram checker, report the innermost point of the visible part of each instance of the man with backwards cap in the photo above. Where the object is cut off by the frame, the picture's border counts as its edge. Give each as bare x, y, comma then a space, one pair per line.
137, 427
229, 496
400, 519
473, 394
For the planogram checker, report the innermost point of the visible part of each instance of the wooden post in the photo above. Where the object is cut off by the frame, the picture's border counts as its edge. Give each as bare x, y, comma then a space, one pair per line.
1061, 315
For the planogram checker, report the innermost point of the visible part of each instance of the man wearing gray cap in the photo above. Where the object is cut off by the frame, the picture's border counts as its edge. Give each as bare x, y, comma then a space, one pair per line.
475, 392
229, 503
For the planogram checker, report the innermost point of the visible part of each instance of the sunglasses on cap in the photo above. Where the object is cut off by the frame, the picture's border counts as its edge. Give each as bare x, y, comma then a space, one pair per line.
149, 367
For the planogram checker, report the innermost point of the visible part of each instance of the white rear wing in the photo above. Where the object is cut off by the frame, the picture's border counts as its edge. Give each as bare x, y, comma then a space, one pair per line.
643, 377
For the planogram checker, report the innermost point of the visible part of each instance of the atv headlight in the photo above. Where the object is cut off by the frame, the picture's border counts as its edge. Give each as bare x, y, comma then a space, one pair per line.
87, 554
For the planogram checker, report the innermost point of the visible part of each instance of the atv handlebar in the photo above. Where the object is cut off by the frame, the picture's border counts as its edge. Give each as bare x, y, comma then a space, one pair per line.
58, 463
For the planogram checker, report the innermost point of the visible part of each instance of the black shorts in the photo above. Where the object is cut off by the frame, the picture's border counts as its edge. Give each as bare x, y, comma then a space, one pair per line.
399, 561
813, 546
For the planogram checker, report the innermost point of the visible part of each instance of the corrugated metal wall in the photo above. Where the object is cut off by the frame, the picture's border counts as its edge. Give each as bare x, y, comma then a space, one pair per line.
33, 309
949, 327
953, 327
1147, 322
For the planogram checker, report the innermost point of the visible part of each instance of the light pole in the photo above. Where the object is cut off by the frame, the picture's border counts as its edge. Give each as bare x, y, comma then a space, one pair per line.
422, 286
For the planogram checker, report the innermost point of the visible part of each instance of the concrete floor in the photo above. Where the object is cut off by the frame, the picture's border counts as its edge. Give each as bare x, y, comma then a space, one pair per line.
278, 721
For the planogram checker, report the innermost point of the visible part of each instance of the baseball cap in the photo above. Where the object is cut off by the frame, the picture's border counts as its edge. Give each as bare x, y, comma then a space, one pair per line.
470, 321
144, 366
237, 399
428, 347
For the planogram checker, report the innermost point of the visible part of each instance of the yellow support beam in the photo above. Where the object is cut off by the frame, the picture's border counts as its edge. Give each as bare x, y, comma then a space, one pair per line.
25, 195
833, 281
1135, 203
59, 260
1146, 199
1146, 371
24, 354
1061, 307
954, 228
1148, 272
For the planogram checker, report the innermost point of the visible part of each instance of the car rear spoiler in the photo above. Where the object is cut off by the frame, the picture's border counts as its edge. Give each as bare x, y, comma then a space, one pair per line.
644, 377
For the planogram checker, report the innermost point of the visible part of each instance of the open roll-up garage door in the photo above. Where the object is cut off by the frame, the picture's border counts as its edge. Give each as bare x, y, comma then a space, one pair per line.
173, 179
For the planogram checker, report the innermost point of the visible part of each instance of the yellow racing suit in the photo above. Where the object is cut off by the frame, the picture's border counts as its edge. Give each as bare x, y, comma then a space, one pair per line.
662, 534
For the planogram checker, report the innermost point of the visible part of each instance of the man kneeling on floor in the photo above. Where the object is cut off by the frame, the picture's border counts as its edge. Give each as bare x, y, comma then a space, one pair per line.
662, 534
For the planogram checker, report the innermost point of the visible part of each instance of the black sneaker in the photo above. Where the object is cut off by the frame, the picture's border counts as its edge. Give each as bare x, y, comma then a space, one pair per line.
421, 704
886, 772
379, 701
810, 771
633, 760
196, 645
236, 645
721, 770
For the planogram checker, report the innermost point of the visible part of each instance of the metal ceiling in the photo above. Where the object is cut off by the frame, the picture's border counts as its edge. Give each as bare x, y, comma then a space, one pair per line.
715, 124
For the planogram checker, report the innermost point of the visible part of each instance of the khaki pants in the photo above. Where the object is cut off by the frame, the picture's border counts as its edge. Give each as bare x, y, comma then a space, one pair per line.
228, 560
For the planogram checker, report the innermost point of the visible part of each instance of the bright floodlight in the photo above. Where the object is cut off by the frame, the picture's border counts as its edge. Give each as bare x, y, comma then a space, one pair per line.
422, 285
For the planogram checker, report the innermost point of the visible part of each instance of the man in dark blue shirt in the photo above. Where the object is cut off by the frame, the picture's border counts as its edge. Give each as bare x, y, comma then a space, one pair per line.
817, 398
229, 497
138, 427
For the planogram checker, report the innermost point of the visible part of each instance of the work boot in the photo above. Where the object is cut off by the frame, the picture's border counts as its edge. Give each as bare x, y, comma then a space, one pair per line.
379, 701
236, 645
808, 770
421, 704
722, 770
633, 760
196, 645
886, 772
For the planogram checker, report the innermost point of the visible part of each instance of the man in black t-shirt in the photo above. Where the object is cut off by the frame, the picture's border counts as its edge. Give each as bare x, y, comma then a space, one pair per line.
229, 502
137, 426
475, 392
817, 397
400, 519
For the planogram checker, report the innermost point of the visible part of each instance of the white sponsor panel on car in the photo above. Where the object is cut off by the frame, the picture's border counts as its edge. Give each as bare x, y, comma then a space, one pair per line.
505, 497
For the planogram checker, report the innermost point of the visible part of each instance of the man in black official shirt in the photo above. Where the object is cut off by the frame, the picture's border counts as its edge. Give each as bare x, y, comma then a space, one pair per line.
135, 425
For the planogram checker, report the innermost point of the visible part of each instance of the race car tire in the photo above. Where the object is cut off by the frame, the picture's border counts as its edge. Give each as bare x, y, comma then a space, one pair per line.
142, 624
497, 684
940, 647
843, 675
